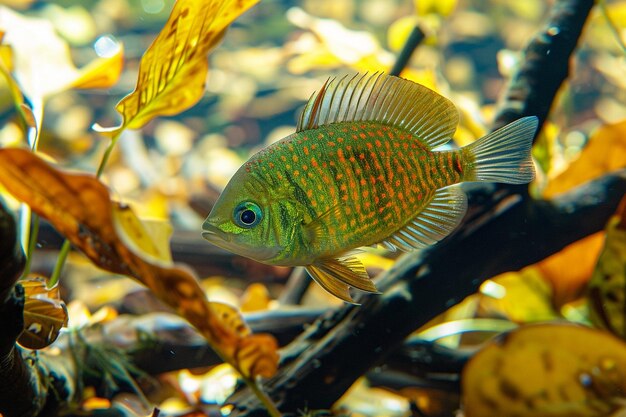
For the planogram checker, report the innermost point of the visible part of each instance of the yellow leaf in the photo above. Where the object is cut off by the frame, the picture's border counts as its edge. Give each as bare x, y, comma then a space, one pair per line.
6, 67
147, 239
600, 36
255, 298
570, 269
440, 7
522, 297
607, 288
426, 77
399, 32
605, 152
173, 70
548, 370
102, 72
231, 317
42, 62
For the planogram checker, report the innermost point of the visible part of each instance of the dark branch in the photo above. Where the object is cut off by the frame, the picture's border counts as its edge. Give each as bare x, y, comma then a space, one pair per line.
415, 38
510, 233
11, 254
546, 64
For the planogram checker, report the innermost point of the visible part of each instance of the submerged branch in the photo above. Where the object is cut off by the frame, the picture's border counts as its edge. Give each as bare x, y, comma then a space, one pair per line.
546, 64
509, 233
413, 41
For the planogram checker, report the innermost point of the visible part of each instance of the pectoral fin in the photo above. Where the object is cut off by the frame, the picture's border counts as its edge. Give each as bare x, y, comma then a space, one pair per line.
337, 275
316, 229
438, 219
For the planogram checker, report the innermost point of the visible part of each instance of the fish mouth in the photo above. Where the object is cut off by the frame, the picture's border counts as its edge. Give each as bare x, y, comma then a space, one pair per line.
213, 233
219, 238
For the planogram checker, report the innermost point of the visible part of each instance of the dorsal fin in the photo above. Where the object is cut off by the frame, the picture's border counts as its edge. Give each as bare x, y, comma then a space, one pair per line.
382, 98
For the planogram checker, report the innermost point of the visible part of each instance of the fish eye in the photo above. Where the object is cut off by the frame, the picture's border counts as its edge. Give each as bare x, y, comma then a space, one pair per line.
247, 214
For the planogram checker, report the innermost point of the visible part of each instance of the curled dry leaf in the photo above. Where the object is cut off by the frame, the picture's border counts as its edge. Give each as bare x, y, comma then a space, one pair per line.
44, 314
606, 293
547, 370
173, 70
80, 208
146, 238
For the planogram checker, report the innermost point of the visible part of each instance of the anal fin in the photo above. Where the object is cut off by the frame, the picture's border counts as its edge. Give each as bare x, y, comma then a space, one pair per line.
436, 221
337, 275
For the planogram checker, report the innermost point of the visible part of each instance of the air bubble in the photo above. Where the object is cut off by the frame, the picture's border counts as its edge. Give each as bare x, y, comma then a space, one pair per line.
106, 46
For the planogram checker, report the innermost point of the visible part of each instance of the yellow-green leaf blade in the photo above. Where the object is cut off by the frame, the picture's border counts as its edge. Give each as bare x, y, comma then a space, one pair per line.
173, 70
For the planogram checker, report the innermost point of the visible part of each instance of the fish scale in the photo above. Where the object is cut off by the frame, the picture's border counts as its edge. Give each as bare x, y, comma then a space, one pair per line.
355, 167
362, 168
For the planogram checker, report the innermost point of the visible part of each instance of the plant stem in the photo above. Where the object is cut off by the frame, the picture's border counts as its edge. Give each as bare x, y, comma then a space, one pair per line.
65, 249
415, 38
28, 233
107, 155
263, 397
32, 241
265, 400
58, 267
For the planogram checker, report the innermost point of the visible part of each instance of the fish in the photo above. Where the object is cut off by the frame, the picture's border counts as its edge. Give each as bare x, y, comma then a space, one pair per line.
362, 169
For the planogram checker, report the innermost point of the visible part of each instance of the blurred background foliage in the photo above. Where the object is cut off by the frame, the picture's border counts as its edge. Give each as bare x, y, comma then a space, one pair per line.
269, 63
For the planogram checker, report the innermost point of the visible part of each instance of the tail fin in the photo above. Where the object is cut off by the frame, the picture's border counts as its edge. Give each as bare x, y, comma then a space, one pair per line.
504, 155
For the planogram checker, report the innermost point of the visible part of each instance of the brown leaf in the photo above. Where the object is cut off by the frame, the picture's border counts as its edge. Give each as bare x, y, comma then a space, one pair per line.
173, 70
44, 314
79, 206
551, 370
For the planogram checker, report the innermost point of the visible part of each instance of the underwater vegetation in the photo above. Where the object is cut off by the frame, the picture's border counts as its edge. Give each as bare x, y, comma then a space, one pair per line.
451, 174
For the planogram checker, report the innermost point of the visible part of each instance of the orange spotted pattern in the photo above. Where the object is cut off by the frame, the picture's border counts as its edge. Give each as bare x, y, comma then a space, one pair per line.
368, 179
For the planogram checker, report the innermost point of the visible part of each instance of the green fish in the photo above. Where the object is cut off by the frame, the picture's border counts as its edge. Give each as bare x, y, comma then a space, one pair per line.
361, 169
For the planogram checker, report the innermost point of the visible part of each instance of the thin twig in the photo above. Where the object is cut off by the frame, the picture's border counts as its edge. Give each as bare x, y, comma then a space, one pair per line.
413, 41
